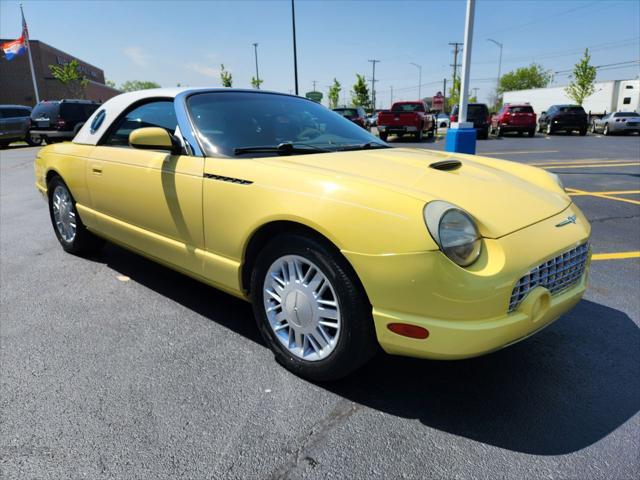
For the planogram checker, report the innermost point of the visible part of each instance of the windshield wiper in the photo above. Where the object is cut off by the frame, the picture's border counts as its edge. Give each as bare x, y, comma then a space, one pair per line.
363, 146
284, 148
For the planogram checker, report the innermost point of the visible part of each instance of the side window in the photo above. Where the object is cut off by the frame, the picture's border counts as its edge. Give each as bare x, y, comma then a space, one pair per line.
158, 113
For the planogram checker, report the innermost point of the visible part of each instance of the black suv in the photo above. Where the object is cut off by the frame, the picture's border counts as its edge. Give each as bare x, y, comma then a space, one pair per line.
57, 120
478, 113
563, 118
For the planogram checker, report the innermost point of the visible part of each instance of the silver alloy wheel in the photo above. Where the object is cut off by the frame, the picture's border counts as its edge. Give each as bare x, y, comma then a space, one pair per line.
606, 129
302, 308
63, 213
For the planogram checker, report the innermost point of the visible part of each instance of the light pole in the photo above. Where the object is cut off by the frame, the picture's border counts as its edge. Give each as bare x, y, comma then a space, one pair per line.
499, 64
419, 78
255, 49
461, 137
295, 53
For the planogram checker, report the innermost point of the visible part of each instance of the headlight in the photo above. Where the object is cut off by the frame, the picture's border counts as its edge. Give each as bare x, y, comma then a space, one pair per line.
454, 231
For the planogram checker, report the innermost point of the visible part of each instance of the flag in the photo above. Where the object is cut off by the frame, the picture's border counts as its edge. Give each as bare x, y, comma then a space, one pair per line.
14, 48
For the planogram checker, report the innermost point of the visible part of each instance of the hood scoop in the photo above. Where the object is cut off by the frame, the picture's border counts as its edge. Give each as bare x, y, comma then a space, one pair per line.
446, 165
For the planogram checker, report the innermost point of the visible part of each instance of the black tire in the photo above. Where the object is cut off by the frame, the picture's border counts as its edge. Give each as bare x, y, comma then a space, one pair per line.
582, 131
605, 130
532, 132
84, 242
4, 144
356, 343
33, 141
549, 130
419, 135
383, 136
484, 134
499, 132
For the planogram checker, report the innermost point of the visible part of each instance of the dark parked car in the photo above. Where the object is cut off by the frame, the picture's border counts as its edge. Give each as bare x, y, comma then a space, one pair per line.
478, 114
356, 114
15, 121
514, 117
566, 118
57, 120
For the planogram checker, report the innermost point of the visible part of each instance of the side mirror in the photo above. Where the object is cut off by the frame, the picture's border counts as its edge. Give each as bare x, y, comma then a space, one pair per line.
155, 138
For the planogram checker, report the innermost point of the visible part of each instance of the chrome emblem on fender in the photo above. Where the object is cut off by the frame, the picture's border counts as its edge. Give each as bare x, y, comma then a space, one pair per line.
567, 221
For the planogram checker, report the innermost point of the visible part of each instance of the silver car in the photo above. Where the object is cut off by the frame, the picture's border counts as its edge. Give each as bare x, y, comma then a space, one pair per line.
617, 122
15, 122
442, 120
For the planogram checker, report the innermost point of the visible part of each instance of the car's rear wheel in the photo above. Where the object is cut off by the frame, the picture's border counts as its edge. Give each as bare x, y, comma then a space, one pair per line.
383, 136
67, 225
419, 135
532, 132
582, 131
33, 141
310, 308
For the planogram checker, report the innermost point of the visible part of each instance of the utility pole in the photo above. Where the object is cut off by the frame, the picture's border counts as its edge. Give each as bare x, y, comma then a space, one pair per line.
391, 97
255, 48
444, 94
295, 53
373, 84
456, 50
419, 79
500, 45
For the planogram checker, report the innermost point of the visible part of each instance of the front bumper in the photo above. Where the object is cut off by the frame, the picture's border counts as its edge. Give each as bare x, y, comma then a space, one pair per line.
466, 310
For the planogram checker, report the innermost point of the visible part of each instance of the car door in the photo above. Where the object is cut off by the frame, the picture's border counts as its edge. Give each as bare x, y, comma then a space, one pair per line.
11, 123
150, 200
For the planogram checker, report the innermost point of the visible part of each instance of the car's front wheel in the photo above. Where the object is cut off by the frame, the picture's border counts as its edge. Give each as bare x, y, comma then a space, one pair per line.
33, 141
606, 129
549, 129
67, 225
310, 309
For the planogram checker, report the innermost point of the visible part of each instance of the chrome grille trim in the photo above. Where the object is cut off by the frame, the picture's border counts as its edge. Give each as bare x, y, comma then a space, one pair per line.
556, 274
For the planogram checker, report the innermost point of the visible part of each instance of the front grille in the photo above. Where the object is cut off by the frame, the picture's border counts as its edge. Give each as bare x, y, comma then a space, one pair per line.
555, 275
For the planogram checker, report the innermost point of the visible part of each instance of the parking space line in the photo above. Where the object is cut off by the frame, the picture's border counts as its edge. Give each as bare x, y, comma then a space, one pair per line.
617, 192
571, 191
519, 152
615, 256
593, 165
581, 161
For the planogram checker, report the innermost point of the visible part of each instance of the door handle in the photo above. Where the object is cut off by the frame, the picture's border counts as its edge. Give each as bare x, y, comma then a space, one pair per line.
96, 170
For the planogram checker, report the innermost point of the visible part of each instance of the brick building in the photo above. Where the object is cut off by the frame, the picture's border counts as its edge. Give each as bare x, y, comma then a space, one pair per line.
16, 86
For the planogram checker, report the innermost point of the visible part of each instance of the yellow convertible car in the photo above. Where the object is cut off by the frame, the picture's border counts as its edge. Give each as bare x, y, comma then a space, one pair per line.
341, 243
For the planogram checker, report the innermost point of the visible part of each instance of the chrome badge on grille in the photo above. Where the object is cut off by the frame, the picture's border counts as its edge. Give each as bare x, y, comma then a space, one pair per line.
570, 219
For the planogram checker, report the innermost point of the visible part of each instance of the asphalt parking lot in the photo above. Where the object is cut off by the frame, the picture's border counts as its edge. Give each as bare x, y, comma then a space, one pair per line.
115, 367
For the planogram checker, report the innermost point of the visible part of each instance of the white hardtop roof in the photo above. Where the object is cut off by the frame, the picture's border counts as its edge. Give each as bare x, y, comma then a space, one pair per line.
116, 105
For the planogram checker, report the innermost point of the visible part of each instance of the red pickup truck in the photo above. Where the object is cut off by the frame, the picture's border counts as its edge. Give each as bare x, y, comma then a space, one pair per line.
405, 117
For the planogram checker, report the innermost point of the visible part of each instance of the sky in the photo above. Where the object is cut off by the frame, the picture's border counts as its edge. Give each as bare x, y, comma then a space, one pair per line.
171, 42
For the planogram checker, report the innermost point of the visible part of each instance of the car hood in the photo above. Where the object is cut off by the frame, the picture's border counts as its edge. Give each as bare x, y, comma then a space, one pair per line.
502, 196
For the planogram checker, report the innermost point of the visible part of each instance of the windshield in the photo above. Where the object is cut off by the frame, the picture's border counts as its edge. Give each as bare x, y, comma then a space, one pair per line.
226, 121
525, 109
407, 107
46, 110
347, 112
627, 114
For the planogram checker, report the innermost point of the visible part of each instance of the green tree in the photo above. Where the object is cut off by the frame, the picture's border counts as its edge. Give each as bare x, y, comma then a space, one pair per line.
135, 85
583, 78
225, 77
360, 93
110, 83
454, 93
533, 76
70, 76
256, 82
334, 94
